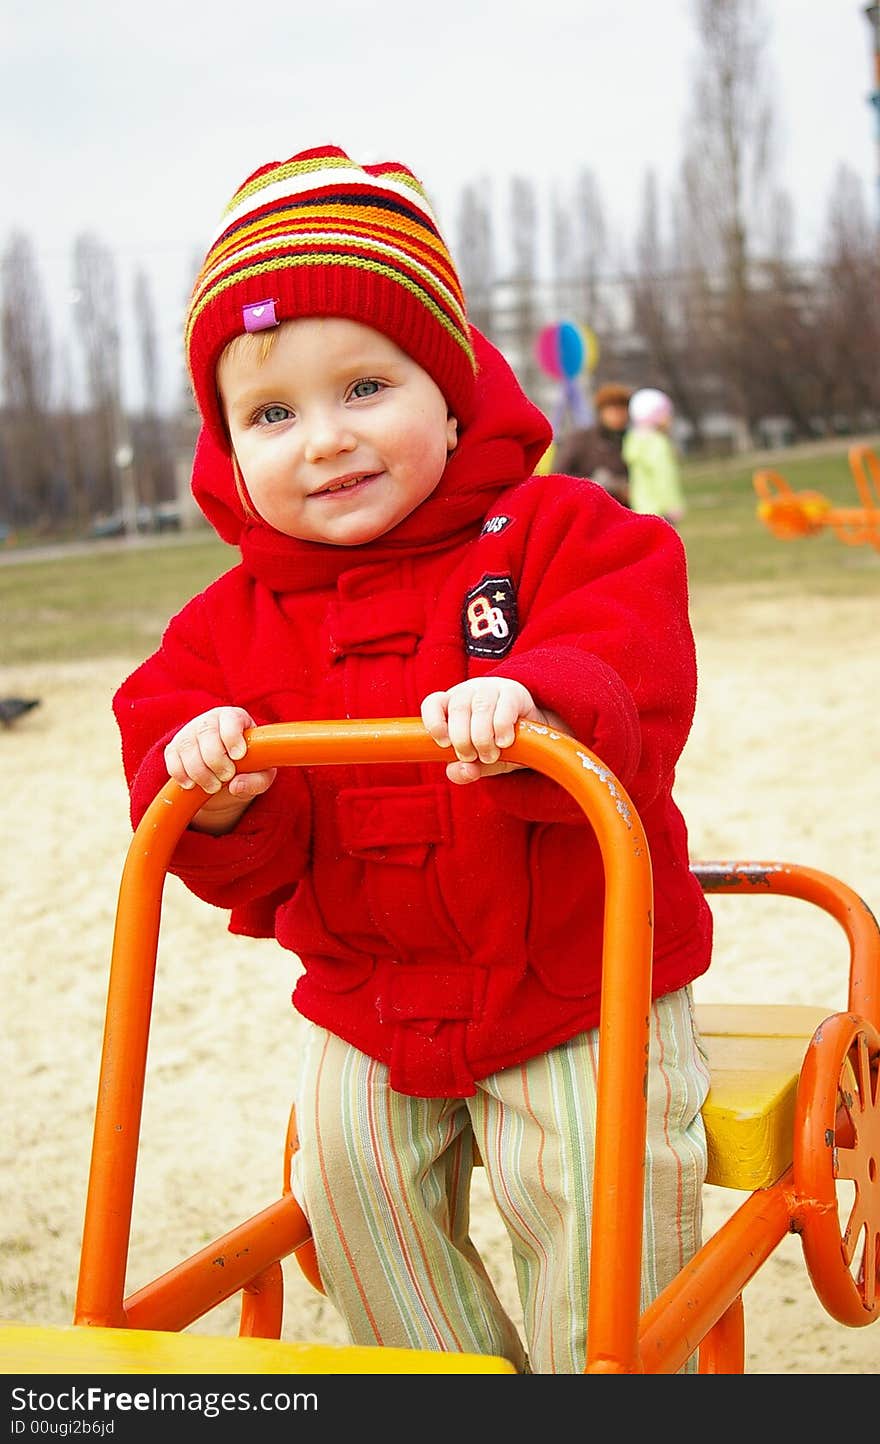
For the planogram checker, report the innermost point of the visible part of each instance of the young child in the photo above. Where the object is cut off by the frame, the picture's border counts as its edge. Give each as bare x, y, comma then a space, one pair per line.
654, 473
596, 451
371, 456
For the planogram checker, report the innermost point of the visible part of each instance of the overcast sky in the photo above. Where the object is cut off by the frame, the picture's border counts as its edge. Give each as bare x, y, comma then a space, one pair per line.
137, 121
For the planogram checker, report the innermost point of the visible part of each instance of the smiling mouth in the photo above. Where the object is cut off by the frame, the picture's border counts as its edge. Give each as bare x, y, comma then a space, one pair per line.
346, 483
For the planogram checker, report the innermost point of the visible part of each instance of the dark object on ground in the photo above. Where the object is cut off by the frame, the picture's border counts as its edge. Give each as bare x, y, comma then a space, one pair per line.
13, 707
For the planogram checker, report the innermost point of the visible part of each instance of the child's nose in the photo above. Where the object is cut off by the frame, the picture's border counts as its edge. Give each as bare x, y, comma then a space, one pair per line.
328, 434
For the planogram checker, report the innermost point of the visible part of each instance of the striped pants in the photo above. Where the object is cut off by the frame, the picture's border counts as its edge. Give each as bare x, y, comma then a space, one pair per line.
384, 1180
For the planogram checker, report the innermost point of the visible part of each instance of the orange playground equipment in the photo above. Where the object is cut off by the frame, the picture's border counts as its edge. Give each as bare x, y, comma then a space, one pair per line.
793, 1121
790, 514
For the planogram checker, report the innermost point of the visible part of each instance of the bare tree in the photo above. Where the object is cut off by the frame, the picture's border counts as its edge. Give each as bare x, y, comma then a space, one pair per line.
590, 243
185, 423
562, 231
815, 337
524, 313
70, 441
153, 469
475, 251
727, 171
29, 470
785, 365
145, 319
97, 321
660, 315
850, 319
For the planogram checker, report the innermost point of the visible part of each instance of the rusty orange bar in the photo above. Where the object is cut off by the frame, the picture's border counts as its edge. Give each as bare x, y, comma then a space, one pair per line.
244, 1256
824, 891
623, 1035
262, 1305
723, 1349
702, 1293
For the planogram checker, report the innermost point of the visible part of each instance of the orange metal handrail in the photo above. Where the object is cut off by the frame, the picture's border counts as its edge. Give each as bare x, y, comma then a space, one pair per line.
701, 1295
219, 1270
623, 1032
826, 892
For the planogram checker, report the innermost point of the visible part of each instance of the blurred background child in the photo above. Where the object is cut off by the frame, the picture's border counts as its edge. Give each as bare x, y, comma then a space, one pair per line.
596, 451
651, 458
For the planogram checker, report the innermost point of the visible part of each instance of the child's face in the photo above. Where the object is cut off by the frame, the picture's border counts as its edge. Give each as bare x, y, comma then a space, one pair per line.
338, 433
614, 415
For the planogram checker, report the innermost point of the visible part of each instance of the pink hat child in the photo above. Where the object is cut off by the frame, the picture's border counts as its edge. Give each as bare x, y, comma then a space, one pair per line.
650, 407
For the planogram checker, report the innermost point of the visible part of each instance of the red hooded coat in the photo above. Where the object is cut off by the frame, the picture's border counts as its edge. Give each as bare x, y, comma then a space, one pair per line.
447, 931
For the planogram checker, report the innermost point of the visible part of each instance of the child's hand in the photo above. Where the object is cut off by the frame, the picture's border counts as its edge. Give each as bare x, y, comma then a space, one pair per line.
478, 718
205, 752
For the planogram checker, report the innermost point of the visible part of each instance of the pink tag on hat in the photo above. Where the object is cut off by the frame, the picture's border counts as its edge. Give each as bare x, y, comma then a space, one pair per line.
259, 316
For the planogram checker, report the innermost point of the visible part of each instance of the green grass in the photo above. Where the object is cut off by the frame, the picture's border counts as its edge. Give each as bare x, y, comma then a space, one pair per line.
115, 601
112, 601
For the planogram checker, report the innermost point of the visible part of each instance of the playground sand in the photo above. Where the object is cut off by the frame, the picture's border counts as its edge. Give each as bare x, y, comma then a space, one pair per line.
781, 766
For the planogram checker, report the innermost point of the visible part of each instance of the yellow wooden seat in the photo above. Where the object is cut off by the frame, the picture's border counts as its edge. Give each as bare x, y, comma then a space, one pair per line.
76, 1349
755, 1057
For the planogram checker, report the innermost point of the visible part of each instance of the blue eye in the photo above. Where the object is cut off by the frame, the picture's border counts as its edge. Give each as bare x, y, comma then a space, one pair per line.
365, 388
274, 414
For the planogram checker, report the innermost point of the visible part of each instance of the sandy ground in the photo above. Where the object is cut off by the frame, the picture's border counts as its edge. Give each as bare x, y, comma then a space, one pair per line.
781, 765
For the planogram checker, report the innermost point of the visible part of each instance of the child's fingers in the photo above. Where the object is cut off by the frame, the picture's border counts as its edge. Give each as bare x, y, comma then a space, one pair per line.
484, 704
477, 718
232, 723
174, 766
252, 784
464, 772
459, 721
184, 762
509, 709
434, 717
495, 706
203, 758
205, 751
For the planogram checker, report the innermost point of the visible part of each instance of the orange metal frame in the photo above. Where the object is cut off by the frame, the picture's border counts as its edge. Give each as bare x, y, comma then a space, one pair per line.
837, 1118
789, 514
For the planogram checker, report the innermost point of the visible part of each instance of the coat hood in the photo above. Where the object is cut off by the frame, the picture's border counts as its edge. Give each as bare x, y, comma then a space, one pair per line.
501, 446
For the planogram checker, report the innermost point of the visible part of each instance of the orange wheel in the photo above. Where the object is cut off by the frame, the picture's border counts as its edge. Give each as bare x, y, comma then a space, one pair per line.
837, 1167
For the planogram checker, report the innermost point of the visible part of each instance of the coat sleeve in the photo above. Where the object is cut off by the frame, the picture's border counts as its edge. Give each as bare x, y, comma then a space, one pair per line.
605, 642
251, 868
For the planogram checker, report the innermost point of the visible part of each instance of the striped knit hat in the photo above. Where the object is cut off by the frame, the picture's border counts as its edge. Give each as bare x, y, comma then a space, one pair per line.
320, 235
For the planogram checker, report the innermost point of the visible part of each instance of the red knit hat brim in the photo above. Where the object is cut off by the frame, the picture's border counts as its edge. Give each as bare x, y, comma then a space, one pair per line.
320, 236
